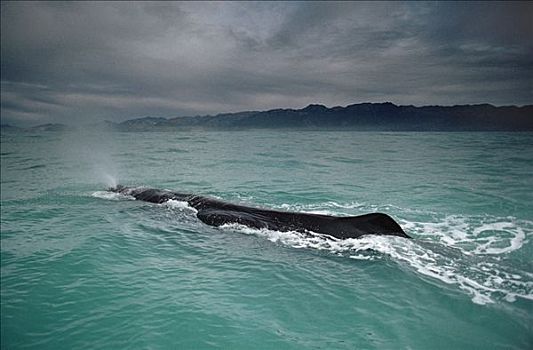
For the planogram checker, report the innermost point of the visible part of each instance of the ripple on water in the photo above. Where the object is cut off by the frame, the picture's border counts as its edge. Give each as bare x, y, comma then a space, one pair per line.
465, 251
468, 255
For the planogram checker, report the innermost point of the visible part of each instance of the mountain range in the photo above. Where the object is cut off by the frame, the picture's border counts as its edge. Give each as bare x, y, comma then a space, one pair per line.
363, 116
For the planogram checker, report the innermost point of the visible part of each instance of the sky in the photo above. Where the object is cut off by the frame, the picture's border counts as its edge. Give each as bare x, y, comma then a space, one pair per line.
84, 62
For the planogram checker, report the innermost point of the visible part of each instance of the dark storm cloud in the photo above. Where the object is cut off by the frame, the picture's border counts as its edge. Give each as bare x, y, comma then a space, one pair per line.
84, 61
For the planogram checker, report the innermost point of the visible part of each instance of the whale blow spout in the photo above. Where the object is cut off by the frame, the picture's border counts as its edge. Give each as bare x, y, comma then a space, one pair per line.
216, 213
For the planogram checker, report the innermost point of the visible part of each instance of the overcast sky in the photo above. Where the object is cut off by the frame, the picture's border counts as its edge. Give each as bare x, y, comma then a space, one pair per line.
76, 62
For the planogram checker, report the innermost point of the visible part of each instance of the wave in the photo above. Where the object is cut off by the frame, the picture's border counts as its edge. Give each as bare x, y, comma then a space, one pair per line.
111, 195
180, 205
486, 280
467, 251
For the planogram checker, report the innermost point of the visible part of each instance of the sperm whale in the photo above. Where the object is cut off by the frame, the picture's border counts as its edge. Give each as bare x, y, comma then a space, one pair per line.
215, 212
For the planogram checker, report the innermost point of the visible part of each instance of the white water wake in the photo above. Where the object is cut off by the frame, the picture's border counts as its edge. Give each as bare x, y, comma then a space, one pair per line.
467, 251
477, 271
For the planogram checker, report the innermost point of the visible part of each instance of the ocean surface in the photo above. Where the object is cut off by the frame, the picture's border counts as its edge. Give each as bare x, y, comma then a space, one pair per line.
83, 268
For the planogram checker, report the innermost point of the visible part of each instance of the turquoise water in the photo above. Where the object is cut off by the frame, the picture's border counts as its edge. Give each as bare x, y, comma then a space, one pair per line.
85, 268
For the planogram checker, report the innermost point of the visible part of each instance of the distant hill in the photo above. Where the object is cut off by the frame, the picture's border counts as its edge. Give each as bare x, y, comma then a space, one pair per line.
50, 127
364, 116
41, 127
8, 127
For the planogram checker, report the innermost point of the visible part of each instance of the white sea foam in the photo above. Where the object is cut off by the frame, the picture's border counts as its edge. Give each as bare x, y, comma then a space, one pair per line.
111, 195
455, 251
474, 235
458, 250
327, 208
491, 246
179, 205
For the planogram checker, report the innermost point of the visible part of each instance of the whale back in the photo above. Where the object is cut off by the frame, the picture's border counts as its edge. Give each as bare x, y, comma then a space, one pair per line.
338, 227
215, 212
